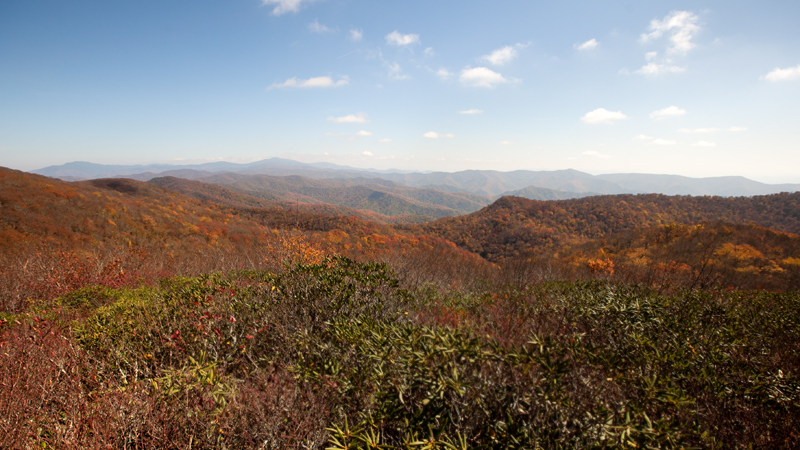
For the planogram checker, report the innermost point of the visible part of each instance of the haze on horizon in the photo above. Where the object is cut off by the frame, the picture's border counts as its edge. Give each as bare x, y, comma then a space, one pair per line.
706, 88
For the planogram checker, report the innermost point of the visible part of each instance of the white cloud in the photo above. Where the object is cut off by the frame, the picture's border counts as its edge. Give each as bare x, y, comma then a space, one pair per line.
704, 144
356, 35
395, 38
649, 56
588, 45
788, 74
671, 111
435, 135
602, 115
657, 69
662, 142
481, 77
681, 26
364, 133
284, 6
643, 137
384, 140
367, 153
471, 111
315, 82
501, 55
316, 27
429, 52
350, 118
444, 74
506, 143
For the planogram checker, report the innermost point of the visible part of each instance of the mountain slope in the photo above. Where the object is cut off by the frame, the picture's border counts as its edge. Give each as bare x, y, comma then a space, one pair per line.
380, 196
512, 226
540, 193
680, 185
492, 183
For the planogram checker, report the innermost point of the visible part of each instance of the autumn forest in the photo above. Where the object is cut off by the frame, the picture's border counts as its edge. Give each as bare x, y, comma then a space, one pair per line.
282, 312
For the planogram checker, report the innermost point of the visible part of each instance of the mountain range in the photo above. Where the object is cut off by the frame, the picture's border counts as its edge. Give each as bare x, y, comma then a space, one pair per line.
570, 183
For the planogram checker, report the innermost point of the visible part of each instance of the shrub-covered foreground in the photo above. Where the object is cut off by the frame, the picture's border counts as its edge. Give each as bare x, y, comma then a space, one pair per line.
337, 355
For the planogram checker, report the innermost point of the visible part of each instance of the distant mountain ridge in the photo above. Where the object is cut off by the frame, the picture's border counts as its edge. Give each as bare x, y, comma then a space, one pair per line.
82, 170
489, 183
380, 196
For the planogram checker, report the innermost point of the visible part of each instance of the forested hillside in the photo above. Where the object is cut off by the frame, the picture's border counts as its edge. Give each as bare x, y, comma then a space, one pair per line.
134, 316
220, 194
514, 226
372, 194
56, 236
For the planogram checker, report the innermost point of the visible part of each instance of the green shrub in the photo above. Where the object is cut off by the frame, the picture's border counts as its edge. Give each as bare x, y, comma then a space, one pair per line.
337, 352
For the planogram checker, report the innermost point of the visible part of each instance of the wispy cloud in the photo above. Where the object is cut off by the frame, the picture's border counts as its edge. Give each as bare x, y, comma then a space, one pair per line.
588, 45
502, 56
350, 118
315, 82
395, 71
444, 74
385, 140
429, 52
364, 133
778, 74
481, 77
680, 26
356, 35
657, 69
316, 27
662, 142
471, 111
671, 111
400, 40
602, 115
284, 6
653, 141
435, 135
704, 144
366, 153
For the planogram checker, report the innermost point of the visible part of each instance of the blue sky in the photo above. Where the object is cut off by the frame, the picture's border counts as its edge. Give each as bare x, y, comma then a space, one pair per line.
697, 88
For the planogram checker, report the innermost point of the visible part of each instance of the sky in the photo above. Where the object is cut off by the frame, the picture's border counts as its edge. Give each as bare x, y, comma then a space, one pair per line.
695, 88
